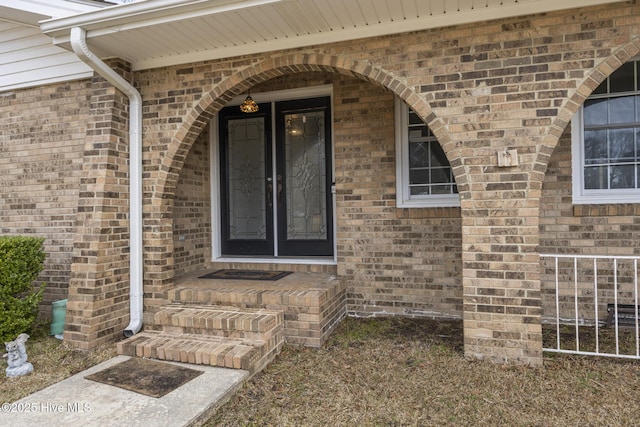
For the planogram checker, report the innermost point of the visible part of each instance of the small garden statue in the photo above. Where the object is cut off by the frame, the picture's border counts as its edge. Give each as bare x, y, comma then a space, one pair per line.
17, 357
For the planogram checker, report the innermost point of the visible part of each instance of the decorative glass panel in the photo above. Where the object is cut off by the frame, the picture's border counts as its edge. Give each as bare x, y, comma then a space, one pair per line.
245, 157
305, 176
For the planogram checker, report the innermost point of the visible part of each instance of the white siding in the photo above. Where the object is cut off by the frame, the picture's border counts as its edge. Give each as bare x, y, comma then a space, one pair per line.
29, 58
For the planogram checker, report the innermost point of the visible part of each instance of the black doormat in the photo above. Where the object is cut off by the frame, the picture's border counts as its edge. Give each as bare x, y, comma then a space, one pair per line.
145, 376
246, 275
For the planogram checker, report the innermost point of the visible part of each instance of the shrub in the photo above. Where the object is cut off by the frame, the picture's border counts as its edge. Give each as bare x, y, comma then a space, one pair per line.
21, 260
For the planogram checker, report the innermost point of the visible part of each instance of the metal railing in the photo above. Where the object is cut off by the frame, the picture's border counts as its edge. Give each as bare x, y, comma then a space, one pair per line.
576, 291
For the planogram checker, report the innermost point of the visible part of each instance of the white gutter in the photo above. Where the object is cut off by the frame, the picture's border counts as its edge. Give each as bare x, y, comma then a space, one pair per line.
79, 45
145, 13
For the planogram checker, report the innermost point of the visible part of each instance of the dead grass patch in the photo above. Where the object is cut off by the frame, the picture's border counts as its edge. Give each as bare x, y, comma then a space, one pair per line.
53, 360
394, 372
408, 372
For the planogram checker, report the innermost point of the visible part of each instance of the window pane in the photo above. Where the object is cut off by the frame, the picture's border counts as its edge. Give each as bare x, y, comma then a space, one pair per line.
438, 158
429, 169
418, 155
420, 190
612, 133
419, 176
623, 79
595, 146
414, 119
440, 175
602, 89
621, 145
595, 178
415, 134
419, 133
621, 110
595, 112
442, 189
622, 176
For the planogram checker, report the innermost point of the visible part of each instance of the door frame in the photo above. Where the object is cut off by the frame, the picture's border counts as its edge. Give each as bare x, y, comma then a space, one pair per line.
215, 178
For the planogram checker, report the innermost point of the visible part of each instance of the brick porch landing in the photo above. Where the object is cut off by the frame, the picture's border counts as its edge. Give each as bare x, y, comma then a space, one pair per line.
312, 303
239, 324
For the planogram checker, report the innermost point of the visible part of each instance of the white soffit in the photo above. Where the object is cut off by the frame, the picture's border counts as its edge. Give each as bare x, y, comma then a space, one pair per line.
156, 33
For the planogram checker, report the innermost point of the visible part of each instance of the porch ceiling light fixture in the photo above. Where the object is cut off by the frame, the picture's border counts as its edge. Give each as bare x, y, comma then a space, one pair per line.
249, 105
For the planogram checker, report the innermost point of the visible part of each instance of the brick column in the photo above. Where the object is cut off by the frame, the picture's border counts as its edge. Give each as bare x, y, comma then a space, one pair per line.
501, 279
98, 306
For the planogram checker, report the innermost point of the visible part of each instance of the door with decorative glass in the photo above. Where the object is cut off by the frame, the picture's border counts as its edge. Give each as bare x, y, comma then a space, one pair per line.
276, 193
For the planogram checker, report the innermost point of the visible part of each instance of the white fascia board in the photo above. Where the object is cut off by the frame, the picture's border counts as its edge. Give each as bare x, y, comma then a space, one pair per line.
143, 14
45, 9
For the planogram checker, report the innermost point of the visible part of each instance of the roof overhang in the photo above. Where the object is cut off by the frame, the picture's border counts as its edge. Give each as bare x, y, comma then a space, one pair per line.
157, 33
30, 12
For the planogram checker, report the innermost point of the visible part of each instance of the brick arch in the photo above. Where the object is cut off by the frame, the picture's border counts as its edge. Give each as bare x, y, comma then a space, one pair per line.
582, 92
163, 180
243, 80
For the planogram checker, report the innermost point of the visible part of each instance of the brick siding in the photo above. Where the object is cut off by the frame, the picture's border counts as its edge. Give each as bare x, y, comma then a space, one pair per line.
42, 134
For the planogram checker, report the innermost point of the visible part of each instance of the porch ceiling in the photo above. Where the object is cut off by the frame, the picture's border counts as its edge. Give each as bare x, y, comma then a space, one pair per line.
157, 33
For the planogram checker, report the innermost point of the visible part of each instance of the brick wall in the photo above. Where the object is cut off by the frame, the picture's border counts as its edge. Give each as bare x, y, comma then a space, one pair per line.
42, 133
98, 307
512, 83
394, 261
192, 210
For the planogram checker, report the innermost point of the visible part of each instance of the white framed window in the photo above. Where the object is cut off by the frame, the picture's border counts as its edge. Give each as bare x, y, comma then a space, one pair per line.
605, 141
423, 174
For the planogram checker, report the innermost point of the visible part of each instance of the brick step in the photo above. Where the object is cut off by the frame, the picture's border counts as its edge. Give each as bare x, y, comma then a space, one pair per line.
233, 297
230, 322
250, 355
313, 304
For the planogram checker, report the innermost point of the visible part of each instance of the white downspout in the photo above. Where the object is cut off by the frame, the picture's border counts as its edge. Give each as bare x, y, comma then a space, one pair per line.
79, 45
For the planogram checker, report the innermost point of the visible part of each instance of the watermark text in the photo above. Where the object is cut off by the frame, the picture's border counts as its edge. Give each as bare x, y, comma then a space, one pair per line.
45, 407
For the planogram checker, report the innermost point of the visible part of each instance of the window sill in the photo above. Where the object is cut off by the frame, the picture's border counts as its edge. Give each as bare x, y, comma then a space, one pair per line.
611, 209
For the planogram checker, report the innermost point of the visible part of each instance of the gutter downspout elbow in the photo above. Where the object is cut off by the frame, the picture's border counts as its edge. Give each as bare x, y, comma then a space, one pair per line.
79, 45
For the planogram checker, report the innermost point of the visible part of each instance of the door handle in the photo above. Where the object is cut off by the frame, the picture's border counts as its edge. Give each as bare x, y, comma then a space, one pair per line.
269, 192
279, 190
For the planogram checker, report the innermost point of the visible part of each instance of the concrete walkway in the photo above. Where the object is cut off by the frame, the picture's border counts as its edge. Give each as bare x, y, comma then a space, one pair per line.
82, 402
